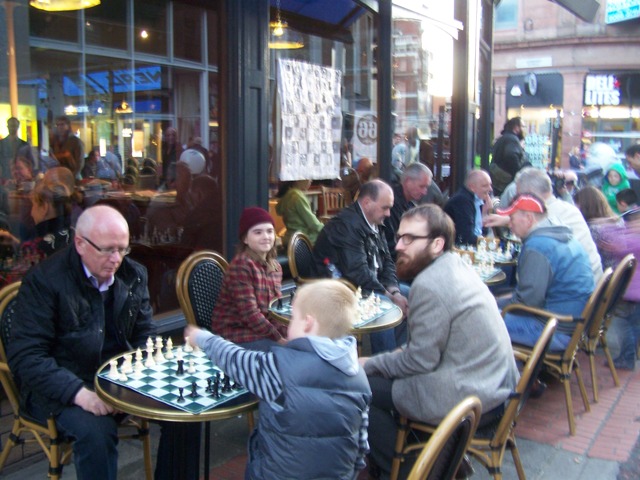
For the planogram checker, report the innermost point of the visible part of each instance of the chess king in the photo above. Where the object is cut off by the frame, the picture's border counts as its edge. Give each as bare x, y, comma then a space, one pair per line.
75, 310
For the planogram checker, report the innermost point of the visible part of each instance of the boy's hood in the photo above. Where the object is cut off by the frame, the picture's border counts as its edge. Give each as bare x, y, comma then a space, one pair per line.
341, 352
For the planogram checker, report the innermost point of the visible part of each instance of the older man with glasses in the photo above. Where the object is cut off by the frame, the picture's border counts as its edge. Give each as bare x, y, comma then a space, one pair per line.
76, 310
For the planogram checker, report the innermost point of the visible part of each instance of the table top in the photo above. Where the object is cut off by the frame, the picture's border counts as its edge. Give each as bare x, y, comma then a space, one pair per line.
391, 318
495, 279
134, 403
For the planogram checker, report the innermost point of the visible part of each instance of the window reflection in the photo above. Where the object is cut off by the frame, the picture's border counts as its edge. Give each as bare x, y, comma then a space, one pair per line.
131, 122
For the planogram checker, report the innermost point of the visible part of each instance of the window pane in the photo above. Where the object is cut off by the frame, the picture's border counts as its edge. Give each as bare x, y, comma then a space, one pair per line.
506, 15
54, 25
187, 23
150, 30
105, 24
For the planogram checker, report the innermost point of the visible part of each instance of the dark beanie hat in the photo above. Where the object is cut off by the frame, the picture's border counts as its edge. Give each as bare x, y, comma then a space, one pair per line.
252, 216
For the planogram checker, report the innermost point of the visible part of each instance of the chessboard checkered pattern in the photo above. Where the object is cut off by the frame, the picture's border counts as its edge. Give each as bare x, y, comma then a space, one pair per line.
162, 383
385, 306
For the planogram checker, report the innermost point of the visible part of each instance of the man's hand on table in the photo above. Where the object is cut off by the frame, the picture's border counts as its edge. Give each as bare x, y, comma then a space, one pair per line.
401, 302
89, 401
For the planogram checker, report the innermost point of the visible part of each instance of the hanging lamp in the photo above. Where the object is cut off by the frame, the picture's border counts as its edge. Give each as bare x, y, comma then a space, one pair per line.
63, 5
281, 37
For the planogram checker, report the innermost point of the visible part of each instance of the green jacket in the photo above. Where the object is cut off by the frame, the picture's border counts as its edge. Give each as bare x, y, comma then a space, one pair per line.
296, 213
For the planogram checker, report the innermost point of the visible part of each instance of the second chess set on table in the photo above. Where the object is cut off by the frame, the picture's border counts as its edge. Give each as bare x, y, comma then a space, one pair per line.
181, 377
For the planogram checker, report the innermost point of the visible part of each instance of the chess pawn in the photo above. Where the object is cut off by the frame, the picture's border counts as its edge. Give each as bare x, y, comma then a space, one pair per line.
113, 370
169, 354
122, 377
127, 366
149, 343
187, 346
179, 354
150, 361
192, 367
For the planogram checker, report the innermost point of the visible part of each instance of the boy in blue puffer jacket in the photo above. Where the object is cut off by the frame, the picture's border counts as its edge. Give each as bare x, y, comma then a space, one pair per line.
314, 396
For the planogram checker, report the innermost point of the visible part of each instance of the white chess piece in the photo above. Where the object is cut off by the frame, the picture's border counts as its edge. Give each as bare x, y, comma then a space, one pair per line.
169, 354
187, 347
122, 377
127, 366
113, 370
150, 361
192, 367
149, 343
179, 354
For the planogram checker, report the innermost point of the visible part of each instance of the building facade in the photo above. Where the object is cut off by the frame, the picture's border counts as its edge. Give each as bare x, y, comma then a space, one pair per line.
574, 83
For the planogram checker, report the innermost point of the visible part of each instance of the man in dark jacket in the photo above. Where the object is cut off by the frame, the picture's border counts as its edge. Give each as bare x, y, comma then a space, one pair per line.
467, 206
354, 243
507, 155
76, 310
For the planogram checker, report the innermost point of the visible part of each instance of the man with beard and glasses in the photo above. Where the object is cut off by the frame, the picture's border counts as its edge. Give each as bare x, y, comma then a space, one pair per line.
458, 344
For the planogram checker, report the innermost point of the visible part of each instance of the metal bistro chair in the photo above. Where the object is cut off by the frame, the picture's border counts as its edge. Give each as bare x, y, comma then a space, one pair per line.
442, 454
56, 447
300, 254
490, 442
198, 285
596, 333
563, 363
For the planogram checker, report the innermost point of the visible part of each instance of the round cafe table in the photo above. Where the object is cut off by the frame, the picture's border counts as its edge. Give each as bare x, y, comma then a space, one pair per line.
134, 403
390, 319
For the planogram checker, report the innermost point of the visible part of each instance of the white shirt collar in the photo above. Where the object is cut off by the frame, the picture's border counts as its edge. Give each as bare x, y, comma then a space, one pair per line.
102, 287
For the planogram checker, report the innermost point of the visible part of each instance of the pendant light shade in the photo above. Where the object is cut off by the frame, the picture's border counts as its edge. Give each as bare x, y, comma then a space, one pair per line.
281, 37
63, 5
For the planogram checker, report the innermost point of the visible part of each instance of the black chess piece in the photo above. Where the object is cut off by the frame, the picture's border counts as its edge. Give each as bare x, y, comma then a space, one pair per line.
226, 385
209, 386
180, 370
194, 390
279, 304
180, 397
293, 292
215, 391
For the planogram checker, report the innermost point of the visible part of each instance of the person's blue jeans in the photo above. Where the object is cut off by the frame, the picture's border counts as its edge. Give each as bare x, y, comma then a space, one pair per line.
95, 452
526, 330
629, 313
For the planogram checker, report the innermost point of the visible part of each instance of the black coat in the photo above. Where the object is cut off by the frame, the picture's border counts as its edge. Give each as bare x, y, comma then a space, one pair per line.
361, 255
58, 331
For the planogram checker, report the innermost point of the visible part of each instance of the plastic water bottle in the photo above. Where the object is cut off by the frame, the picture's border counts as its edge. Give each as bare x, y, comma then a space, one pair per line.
333, 270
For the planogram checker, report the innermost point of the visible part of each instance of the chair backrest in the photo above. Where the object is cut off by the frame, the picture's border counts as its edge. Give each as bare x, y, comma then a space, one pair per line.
332, 200
528, 376
198, 284
620, 280
300, 254
597, 306
442, 454
7, 313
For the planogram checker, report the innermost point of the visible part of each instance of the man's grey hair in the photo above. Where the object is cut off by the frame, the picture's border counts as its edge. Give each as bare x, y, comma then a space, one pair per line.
533, 180
415, 170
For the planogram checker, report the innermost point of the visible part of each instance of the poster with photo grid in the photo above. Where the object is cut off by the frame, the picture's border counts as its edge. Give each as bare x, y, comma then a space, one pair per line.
310, 101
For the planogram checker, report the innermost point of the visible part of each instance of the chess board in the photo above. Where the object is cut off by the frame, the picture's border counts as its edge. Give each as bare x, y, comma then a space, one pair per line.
486, 273
385, 305
162, 383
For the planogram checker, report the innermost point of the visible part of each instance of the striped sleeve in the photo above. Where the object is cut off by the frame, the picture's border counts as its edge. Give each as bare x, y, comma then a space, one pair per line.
254, 370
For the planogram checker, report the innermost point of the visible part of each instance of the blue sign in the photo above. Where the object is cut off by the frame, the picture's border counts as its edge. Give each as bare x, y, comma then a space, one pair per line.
621, 10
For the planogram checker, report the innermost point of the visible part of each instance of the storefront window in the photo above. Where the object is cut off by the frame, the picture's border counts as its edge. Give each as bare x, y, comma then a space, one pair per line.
134, 113
422, 82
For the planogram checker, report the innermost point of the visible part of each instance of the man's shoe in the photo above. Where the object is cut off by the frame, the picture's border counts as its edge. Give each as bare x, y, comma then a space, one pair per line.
465, 470
537, 389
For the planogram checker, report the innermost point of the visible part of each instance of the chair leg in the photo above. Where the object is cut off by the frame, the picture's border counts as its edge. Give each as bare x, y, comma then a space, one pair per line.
12, 441
567, 396
583, 390
515, 453
496, 464
594, 376
401, 438
607, 353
